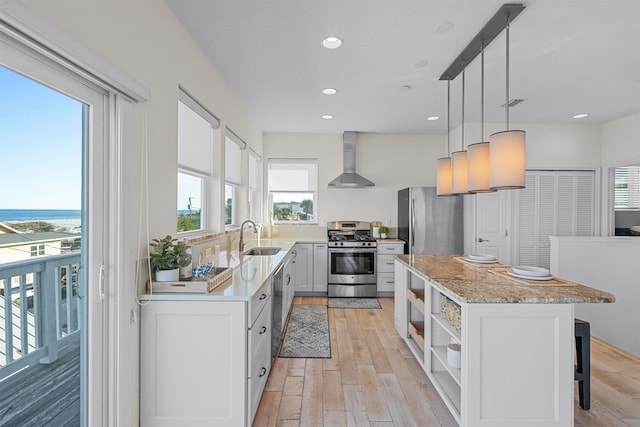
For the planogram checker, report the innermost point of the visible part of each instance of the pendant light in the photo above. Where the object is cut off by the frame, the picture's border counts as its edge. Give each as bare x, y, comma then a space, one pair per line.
507, 149
443, 176
459, 168
478, 153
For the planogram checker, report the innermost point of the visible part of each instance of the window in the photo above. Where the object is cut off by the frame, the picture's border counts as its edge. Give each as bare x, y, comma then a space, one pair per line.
627, 188
37, 250
233, 173
254, 174
195, 162
293, 189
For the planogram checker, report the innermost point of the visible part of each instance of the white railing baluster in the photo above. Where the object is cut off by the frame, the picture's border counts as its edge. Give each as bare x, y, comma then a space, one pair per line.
24, 327
8, 321
69, 286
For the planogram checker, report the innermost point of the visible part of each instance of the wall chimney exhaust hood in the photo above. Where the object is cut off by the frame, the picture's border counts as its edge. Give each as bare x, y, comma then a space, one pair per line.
349, 178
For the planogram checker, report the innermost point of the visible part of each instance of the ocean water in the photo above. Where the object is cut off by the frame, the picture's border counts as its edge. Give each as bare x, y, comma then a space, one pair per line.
8, 215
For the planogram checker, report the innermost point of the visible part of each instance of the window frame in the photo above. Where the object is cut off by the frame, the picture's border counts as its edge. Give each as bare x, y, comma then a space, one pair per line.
312, 192
189, 158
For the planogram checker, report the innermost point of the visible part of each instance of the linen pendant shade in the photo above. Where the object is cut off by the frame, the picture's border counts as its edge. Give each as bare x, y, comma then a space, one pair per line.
507, 160
459, 174
478, 162
443, 177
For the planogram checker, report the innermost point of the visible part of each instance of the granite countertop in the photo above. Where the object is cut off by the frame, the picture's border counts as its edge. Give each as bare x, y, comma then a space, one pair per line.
249, 274
475, 284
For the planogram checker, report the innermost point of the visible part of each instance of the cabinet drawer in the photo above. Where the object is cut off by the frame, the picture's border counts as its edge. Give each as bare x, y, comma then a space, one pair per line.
386, 263
390, 248
257, 381
258, 301
386, 282
260, 335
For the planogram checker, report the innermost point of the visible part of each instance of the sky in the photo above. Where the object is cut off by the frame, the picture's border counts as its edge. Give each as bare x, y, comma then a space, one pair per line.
40, 146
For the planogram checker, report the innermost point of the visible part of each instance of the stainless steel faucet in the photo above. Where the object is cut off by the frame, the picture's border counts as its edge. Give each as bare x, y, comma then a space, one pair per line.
255, 230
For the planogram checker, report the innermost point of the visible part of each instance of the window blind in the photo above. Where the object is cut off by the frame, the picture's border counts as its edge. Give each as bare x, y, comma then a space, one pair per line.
292, 175
195, 136
233, 162
627, 187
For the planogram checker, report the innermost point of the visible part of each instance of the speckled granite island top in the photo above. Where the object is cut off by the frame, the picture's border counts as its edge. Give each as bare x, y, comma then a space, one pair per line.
474, 284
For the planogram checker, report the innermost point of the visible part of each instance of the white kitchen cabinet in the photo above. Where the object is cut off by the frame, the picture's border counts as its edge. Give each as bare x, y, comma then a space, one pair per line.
304, 267
387, 250
503, 348
288, 285
204, 363
320, 265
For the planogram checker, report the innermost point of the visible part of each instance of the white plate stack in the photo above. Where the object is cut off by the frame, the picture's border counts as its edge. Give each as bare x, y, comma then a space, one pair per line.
530, 273
481, 258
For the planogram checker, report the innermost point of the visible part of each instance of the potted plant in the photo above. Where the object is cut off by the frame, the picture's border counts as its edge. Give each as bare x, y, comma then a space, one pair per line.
384, 230
166, 257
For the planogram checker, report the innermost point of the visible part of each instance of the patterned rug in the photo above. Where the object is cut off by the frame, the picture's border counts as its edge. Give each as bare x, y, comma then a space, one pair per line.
307, 333
353, 303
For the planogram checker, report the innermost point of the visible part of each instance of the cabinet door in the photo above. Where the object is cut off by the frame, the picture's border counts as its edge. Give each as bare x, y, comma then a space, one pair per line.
304, 267
195, 370
320, 265
400, 299
288, 286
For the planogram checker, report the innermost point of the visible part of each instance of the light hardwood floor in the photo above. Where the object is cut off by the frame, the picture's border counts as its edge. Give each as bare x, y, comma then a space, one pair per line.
372, 379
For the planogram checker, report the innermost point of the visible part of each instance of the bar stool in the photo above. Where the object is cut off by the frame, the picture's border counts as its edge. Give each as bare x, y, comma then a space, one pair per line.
583, 359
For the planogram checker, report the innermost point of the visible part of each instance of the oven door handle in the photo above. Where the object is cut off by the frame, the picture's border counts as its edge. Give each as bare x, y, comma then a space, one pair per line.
352, 250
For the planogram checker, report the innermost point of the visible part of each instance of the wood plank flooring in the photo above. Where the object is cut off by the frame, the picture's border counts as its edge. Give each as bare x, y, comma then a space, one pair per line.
372, 379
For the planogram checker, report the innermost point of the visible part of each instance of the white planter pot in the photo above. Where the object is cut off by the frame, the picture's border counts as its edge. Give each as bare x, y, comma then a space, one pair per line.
383, 235
168, 275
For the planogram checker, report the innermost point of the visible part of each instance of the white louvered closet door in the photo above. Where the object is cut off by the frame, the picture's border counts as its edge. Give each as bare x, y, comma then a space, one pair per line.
554, 203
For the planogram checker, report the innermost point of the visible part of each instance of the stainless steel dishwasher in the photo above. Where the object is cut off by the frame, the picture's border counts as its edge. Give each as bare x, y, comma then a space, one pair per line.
276, 310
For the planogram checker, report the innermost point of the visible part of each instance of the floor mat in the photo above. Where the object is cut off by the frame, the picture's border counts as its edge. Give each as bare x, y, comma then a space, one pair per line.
353, 303
307, 333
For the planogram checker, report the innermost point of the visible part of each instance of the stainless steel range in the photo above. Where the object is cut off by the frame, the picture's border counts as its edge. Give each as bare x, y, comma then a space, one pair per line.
352, 259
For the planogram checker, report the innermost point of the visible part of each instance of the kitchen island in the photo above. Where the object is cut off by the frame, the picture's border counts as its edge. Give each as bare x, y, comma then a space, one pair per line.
516, 338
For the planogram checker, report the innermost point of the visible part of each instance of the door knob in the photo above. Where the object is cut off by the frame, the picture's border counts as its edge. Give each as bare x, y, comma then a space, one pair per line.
480, 240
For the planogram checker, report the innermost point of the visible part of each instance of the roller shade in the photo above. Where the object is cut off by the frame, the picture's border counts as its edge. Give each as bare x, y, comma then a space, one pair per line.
233, 162
293, 175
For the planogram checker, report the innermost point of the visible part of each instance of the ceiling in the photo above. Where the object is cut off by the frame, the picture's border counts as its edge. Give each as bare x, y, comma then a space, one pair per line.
566, 57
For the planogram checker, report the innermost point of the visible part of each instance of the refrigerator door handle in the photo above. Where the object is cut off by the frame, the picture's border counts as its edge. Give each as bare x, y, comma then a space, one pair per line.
413, 223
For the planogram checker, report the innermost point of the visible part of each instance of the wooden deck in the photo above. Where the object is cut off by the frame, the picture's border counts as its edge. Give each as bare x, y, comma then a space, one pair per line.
44, 395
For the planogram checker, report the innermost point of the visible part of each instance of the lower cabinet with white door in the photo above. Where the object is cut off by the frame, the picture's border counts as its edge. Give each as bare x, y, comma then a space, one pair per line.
204, 362
387, 250
311, 269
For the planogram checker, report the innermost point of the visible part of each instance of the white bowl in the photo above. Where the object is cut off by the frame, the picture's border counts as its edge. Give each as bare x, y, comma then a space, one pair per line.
525, 270
481, 257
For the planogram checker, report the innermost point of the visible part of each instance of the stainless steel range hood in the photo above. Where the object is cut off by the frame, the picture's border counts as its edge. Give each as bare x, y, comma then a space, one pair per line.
349, 178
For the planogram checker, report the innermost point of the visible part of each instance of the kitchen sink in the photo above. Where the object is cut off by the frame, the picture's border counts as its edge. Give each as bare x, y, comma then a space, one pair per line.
262, 251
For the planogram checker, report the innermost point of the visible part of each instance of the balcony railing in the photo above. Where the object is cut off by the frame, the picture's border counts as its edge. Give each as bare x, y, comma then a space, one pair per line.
39, 310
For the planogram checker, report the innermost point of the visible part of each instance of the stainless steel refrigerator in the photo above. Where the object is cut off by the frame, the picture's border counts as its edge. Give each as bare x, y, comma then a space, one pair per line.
430, 224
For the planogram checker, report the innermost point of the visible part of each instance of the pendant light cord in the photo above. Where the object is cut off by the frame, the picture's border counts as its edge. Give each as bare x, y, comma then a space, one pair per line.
507, 78
482, 91
462, 144
448, 118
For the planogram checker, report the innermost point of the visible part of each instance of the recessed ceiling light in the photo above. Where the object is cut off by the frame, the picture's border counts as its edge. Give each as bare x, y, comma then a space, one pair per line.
329, 91
580, 116
444, 27
432, 118
332, 42
327, 116
404, 88
420, 64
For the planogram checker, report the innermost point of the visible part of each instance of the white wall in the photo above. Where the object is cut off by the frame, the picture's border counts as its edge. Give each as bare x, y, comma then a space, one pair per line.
143, 39
392, 162
621, 141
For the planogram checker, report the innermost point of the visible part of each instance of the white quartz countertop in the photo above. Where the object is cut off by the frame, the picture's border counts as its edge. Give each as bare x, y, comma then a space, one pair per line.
249, 272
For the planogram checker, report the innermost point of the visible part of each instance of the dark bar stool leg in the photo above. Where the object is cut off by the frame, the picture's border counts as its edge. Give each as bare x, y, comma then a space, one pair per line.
583, 358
